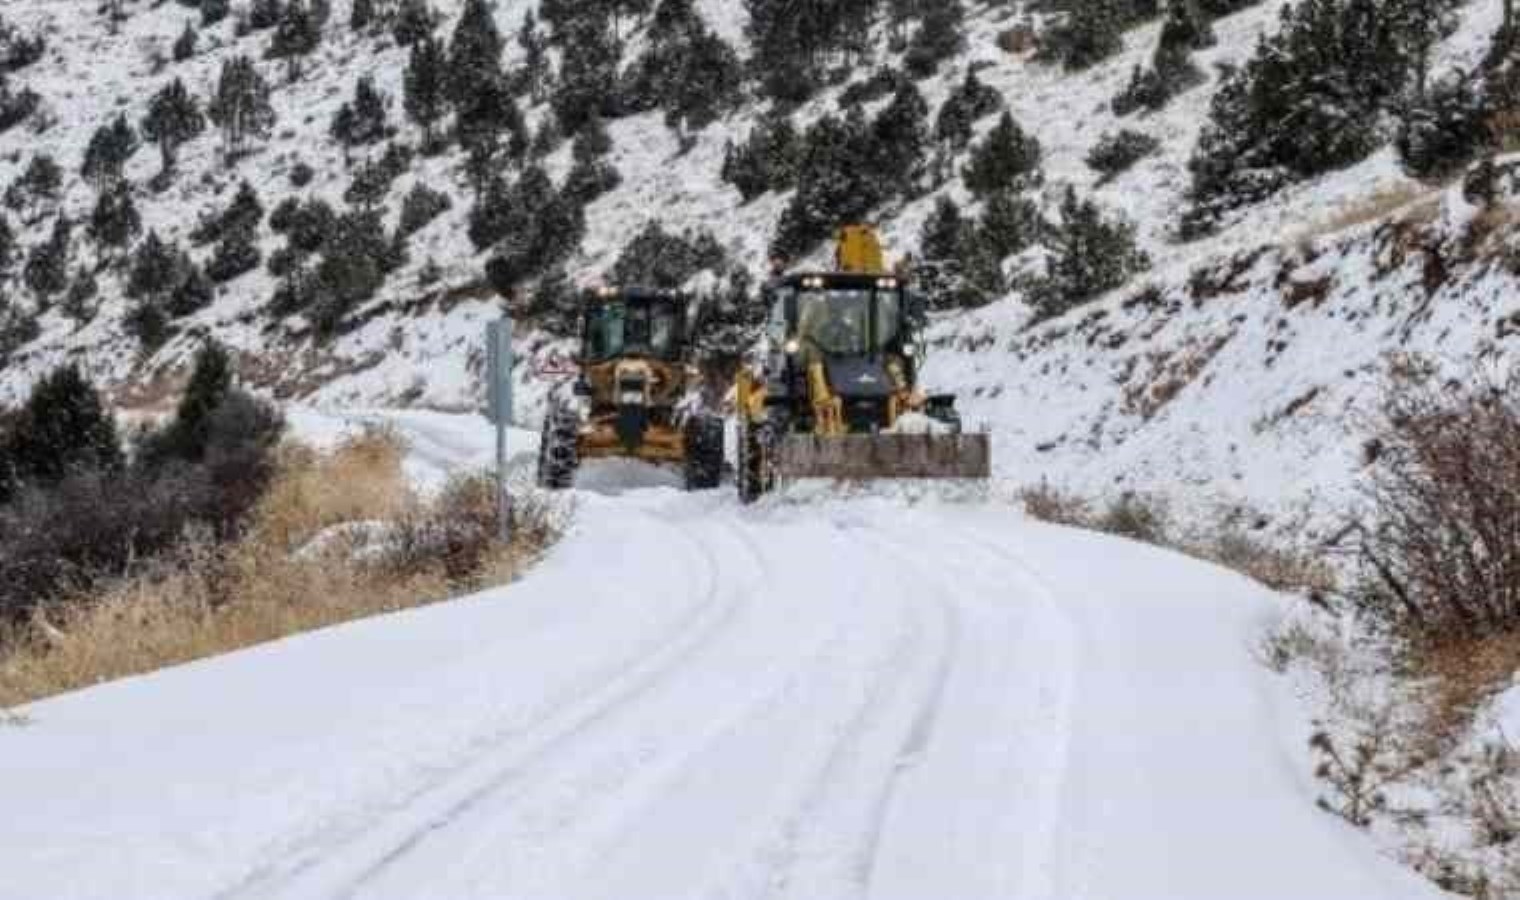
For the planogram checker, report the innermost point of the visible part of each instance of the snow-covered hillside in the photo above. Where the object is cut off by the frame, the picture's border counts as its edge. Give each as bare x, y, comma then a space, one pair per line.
1204, 371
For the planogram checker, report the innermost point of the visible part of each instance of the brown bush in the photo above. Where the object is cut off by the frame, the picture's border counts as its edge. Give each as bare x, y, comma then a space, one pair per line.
1051, 504
1440, 551
1277, 568
211, 598
1138, 517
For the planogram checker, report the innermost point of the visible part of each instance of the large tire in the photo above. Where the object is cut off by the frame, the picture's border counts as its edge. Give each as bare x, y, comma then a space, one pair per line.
558, 449
704, 452
756, 474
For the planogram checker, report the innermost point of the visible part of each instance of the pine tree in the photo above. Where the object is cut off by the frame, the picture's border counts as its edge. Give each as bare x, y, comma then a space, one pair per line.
900, 142
115, 220
38, 190
245, 212
237, 253
940, 36
47, 266
486, 117
362, 120
361, 14
1007, 160
296, 36
535, 56
108, 152
154, 269
1091, 32
193, 292
184, 45
588, 76
834, 185
1090, 254
174, 118
214, 11
969, 103
63, 428
425, 76
8, 247
413, 23
241, 106
264, 14
421, 206
474, 51
211, 380
1009, 224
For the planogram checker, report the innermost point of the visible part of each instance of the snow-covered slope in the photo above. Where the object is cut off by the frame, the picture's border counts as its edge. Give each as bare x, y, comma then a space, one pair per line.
690, 699
1184, 383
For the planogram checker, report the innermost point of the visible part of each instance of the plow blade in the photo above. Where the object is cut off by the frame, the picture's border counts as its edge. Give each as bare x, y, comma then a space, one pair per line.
869, 456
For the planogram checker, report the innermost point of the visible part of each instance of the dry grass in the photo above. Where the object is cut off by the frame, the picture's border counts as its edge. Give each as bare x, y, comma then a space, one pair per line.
1145, 518
1374, 207
1459, 674
359, 481
209, 600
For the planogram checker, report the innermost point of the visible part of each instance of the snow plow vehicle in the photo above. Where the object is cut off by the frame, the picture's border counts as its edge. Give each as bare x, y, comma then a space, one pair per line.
634, 396
837, 393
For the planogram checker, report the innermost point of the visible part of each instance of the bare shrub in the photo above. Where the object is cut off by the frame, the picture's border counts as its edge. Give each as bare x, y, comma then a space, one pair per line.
1139, 517
1278, 568
209, 598
1359, 770
1441, 553
1048, 503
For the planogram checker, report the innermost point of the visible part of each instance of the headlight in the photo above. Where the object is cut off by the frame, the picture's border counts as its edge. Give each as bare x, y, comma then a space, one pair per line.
910, 349
792, 347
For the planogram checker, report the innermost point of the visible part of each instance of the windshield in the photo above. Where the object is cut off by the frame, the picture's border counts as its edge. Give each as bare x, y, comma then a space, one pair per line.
838, 321
623, 329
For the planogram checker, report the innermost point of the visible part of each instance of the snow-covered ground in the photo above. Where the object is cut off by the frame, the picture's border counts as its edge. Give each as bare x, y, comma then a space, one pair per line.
837, 698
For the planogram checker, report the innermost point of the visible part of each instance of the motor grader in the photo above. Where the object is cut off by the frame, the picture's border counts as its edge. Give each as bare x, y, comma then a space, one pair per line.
635, 394
837, 393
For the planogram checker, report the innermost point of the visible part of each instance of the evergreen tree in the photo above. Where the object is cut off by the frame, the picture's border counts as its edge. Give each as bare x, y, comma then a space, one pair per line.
940, 36
835, 184
588, 76
1007, 160
661, 259
214, 11
241, 106
47, 267
154, 270
237, 253
174, 118
63, 428
38, 189
194, 291
8, 247
1444, 128
296, 36
184, 45
421, 206
413, 23
352, 269
1091, 32
16, 106
78, 301
425, 77
115, 220
1009, 224
956, 269
900, 141
211, 380
244, 213
108, 151
530, 226
1090, 254
264, 14
486, 117
969, 103
362, 120
535, 56
474, 51
361, 14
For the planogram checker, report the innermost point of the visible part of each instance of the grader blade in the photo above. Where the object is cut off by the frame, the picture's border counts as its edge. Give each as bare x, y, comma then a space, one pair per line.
865, 457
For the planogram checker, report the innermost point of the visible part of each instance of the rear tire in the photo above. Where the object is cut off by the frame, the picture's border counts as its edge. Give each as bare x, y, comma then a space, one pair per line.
559, 450
704, 452
756, 470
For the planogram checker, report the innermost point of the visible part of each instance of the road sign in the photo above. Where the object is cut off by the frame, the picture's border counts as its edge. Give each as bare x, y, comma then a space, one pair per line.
499, 372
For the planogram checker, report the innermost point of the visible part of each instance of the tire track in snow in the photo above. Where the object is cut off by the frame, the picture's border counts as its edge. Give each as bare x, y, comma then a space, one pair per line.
459, 788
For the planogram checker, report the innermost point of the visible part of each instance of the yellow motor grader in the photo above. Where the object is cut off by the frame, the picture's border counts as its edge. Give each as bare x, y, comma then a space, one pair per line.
635, 396
837, 393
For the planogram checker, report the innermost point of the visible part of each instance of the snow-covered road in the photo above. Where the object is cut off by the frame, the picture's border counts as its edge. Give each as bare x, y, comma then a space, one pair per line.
826, 700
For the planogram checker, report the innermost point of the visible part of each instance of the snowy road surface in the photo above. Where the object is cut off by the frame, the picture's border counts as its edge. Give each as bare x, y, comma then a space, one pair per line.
689, 700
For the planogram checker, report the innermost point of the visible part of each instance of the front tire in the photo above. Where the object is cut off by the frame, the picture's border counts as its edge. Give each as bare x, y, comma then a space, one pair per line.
704, 452
756, 471
559, 450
